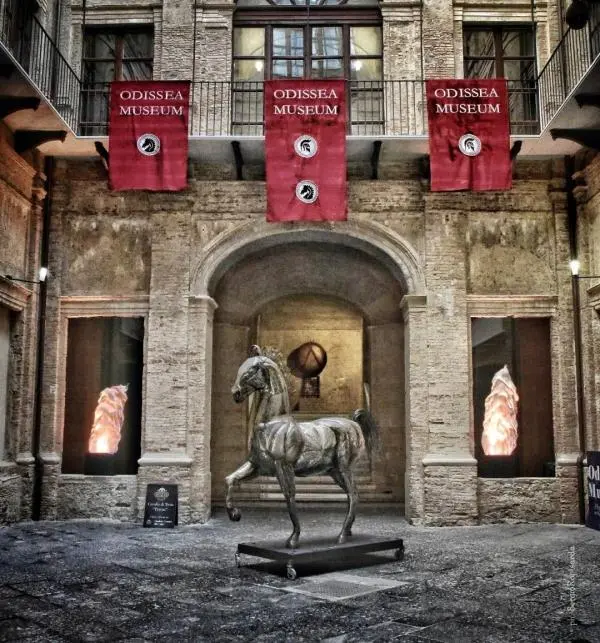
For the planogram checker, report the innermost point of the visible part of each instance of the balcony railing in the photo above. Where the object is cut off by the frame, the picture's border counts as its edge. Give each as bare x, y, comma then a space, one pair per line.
567, 65
375, 108
34, 50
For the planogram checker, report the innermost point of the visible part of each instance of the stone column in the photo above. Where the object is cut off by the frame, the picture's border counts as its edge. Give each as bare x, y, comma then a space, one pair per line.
200, 366
414, 308
165, 455
449, 466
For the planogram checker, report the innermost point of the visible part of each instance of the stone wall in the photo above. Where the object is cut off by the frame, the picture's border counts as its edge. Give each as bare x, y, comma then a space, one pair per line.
519, 500
111, 497
21, 199
493, 254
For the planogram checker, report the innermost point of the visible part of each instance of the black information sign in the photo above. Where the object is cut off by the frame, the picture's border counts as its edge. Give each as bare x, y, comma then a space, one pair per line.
161, 505
593, 488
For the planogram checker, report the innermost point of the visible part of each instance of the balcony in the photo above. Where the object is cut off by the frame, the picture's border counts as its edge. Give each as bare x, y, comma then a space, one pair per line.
35, 75
569, 86
384, 108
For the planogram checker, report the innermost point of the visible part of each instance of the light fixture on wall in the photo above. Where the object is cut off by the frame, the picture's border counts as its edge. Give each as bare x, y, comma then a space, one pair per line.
575, 266
42, 276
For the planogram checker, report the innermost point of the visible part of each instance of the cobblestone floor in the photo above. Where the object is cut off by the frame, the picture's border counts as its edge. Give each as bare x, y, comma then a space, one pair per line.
104, 581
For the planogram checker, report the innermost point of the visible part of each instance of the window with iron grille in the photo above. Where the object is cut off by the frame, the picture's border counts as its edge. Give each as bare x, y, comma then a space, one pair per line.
118, 54
506, 51
282, 45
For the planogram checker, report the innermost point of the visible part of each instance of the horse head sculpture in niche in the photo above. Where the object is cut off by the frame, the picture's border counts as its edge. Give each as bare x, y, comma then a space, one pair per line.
285, 448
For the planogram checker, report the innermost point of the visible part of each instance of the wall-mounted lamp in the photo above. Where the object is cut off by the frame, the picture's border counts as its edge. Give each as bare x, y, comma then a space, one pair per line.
574, 266
42, 274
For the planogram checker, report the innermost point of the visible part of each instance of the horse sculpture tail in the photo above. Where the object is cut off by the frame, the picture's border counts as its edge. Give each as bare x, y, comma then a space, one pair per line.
369, 428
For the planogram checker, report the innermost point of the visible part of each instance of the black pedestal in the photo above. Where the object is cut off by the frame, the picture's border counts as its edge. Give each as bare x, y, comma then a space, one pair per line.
100, 464
319, 550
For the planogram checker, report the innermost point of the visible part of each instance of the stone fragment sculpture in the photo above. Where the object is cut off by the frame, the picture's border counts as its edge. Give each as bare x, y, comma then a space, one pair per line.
500, 428
282, 447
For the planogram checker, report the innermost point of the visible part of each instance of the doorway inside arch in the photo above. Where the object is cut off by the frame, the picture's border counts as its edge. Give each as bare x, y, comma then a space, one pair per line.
331, 316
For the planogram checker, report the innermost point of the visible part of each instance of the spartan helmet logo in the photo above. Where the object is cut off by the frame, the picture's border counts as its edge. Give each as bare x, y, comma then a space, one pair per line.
307, 191
148, 144
305, 146
469, 145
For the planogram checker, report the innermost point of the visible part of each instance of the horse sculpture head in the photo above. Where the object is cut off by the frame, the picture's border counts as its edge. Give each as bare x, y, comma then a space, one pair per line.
258, 373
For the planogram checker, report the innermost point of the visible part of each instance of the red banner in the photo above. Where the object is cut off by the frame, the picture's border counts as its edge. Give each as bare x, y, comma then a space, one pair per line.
148, 135
305, 149
469, 134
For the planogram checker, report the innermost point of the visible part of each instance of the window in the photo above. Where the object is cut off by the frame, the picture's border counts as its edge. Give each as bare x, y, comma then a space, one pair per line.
525, 411
506, 52
108, 56
349, 50
103, 353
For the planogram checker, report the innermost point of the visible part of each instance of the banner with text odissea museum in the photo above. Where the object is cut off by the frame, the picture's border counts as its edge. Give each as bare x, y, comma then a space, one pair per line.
469, 134
148, 135
305, 149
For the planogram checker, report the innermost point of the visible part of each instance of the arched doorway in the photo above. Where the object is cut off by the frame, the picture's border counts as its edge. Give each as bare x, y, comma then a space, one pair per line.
346, 300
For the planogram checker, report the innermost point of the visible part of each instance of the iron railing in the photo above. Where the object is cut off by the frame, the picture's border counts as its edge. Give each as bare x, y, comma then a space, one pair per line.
569, 62
34, 50
375, 108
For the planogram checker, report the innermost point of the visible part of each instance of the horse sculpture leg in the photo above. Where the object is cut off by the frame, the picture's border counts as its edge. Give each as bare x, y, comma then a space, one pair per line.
285, 476
345, 479
247, 470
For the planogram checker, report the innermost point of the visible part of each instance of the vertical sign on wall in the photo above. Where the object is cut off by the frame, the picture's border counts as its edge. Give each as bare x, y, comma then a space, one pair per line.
593, 483
305, 148
469, 134
148, 135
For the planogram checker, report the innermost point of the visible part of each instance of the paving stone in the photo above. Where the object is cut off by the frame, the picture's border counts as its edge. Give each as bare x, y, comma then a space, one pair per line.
95, 581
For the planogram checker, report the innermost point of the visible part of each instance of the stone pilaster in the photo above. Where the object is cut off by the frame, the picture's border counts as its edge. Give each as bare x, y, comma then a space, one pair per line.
177, 33
414, 309
449, 466
200, 366
164, 442
438, 39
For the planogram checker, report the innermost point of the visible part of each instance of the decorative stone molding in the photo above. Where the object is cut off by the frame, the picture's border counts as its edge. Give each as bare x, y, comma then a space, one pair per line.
13, 295
165, 460
49, 458
449, 460
134, 306
512, 305
371, 237
417, 303
203, 301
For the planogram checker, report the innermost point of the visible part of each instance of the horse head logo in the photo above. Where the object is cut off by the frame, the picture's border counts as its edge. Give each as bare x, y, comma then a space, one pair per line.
307, 192
148, 144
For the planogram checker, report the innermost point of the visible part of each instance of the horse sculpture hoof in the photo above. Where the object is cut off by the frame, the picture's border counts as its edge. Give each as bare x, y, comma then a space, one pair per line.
342, 539
234, 514
292, 542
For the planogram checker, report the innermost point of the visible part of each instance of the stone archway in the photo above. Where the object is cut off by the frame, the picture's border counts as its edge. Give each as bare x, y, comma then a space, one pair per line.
302, 258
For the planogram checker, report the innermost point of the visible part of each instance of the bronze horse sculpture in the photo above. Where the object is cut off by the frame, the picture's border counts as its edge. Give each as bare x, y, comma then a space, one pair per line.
285, 448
